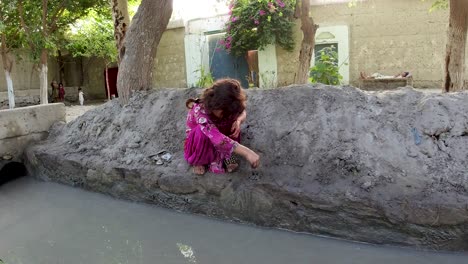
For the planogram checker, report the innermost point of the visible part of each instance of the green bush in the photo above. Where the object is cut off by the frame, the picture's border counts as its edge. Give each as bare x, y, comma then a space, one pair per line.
326, 69
205, 80
254, 24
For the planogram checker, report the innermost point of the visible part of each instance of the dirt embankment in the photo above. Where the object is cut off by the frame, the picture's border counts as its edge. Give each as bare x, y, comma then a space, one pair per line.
385, 167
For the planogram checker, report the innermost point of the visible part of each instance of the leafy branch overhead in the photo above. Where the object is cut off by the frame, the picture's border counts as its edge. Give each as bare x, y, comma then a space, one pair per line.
92, 36
43, 22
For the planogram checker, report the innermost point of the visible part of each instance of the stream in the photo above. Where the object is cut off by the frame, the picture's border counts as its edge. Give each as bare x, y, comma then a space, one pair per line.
42, 222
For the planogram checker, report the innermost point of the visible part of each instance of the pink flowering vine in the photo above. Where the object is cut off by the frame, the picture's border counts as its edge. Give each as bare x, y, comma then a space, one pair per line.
280, 3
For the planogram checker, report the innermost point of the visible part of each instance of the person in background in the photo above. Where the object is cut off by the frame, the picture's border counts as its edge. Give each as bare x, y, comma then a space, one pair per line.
61, 92
54, 97
80, 96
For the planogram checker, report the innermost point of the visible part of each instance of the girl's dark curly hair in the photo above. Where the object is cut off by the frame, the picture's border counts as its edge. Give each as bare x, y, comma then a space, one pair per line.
226, 95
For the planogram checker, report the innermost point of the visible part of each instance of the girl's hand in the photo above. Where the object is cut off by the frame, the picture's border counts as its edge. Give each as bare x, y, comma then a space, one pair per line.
248, 154
235, 129
254, 159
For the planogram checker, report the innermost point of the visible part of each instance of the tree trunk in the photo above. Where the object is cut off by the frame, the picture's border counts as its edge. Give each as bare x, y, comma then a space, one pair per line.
7, 67
107, 83
43, 77
308, 41
140, 47
455, 53
121, 24
11, 94
61, 65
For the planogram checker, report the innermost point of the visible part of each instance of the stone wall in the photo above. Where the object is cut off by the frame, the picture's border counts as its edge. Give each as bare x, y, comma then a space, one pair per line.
386, 36
21, 127
169, 70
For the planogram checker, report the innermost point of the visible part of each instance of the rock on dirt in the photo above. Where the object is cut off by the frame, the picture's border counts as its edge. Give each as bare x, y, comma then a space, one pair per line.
380, 167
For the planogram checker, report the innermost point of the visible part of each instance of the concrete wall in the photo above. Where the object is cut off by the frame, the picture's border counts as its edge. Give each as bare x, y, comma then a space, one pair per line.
22, 126
386, 36
169, 70
25, 77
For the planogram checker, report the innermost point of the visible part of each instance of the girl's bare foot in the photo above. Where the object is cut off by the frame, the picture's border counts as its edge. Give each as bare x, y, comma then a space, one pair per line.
232, 167
199, 170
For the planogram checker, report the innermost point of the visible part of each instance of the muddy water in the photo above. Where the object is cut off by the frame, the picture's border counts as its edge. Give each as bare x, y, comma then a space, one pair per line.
51, 223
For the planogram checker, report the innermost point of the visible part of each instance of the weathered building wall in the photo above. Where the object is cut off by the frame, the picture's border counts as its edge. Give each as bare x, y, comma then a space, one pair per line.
94, 84
25, 74
386, 36
169, 70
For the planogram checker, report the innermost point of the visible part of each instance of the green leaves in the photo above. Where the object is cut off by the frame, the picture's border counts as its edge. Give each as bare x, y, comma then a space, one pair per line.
45, 29
206, 79
438, 4
254, 24
326, 69
92, 36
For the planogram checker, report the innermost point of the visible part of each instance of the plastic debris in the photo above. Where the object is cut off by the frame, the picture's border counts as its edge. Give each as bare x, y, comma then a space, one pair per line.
416, 136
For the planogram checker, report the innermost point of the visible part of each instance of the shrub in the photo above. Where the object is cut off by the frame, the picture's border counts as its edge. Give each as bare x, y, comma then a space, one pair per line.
326, 69
254, 24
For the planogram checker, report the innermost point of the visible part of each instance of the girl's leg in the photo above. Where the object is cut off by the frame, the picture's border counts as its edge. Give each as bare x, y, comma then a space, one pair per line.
199, 170
199, 151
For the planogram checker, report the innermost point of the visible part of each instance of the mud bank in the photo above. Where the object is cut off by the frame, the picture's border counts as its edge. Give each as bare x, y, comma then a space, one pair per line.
387, 167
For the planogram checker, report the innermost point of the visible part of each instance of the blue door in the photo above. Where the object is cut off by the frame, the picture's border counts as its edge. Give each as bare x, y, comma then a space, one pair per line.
224, 65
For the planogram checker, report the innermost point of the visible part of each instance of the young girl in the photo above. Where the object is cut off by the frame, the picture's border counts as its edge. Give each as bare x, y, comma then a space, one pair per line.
213, 129
61, 92
80, 96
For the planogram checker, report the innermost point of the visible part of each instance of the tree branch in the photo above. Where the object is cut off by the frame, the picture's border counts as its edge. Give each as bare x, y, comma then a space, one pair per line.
56, 15
21, 16
44, 17
297, 9
23, 23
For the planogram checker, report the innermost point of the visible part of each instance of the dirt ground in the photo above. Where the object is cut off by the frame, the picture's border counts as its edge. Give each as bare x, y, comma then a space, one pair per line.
74, 111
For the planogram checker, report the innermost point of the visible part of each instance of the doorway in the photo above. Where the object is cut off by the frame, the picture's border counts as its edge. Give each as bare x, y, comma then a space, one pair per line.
112, 77
225, 65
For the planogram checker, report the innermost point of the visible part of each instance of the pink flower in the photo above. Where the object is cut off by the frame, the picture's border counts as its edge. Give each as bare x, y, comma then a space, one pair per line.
229, 39
262, 12
280, 3
228, 45
230, 12
256, 22
271, 7
234, 19
221, 42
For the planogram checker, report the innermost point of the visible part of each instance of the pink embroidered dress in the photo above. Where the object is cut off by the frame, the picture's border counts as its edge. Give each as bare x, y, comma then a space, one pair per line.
207, 142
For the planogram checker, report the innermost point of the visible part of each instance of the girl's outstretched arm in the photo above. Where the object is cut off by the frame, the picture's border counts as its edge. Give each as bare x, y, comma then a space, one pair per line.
252, 157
